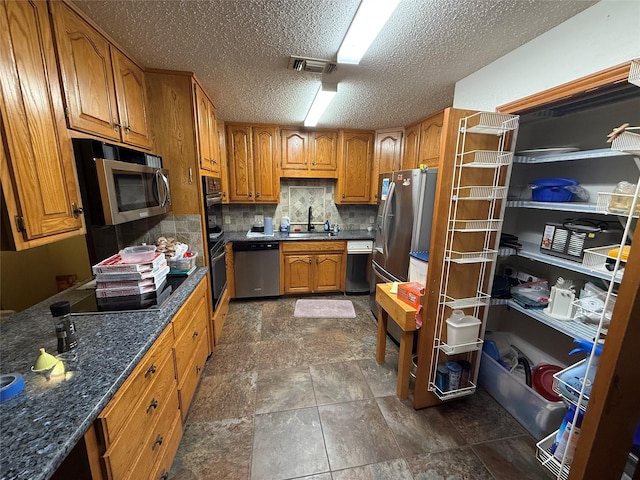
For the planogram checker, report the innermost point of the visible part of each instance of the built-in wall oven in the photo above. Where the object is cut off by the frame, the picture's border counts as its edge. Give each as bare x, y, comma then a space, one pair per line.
215, 236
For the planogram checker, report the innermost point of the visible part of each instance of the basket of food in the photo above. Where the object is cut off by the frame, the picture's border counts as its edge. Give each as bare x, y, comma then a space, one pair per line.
184, 264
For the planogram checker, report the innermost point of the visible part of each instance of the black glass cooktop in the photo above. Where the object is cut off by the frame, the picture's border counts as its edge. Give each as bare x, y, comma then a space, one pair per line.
130, 303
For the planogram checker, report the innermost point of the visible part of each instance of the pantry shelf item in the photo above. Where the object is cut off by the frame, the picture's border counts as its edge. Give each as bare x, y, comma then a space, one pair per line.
475, 219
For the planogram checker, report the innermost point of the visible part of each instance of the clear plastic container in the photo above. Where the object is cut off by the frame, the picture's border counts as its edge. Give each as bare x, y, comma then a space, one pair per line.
138, 254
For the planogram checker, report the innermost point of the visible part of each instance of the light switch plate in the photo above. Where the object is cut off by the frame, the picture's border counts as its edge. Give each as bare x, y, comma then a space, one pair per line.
227, 220
372, 219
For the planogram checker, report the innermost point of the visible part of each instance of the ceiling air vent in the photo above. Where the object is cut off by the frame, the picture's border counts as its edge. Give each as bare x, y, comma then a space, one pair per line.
311, 65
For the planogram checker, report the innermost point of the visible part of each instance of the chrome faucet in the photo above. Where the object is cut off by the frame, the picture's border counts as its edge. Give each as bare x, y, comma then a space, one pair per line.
309, 226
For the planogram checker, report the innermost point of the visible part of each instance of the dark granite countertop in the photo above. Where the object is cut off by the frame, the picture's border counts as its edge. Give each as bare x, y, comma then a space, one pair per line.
42, 424
278, 237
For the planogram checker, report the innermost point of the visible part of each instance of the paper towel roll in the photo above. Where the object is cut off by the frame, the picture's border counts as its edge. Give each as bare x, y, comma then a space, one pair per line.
268, 226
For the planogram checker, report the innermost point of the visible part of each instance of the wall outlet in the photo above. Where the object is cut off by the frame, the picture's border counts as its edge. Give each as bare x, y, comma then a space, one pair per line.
258, 219
227, 219
372, 219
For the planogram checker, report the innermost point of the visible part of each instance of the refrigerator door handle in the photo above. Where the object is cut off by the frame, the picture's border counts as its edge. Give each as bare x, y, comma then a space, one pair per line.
385, 220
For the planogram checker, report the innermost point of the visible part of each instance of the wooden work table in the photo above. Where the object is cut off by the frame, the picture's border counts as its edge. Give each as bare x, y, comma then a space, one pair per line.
404, 315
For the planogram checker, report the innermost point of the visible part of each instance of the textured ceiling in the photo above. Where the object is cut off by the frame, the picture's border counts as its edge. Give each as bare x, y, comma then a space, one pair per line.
239, 50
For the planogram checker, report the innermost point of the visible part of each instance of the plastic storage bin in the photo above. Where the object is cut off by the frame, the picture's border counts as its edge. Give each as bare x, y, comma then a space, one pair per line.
552, 190
462, 330
182, 265
539, 416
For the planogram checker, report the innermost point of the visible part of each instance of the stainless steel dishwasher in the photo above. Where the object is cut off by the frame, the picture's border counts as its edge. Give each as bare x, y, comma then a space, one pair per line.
256, 269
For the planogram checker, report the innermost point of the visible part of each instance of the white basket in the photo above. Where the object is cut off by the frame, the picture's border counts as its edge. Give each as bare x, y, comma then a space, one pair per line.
482, 300
481, 193
596, 259
627, 142
546, 458
557, 380
617, 204
490, 123
472, 257
476, 225
485, 159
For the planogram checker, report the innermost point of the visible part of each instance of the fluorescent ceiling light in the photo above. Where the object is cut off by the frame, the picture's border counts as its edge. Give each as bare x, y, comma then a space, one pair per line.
369, 20
325, 94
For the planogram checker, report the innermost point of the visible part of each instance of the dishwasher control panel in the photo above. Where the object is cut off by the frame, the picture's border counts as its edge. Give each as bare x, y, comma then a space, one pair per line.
359, 246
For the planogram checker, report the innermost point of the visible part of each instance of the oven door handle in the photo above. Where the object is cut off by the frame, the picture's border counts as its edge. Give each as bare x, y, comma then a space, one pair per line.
218, 257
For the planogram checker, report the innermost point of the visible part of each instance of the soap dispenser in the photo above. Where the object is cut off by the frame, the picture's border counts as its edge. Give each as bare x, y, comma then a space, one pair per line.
574, 378
327, 226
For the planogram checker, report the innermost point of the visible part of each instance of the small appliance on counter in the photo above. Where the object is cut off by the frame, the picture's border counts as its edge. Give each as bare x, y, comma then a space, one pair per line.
285, 224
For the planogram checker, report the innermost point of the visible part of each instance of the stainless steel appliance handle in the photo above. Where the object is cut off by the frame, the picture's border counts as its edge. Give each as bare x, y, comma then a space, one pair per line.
213, 200
218, 257
167, 195
385, 219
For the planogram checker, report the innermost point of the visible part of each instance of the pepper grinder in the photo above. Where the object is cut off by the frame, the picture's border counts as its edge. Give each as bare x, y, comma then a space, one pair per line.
65, 328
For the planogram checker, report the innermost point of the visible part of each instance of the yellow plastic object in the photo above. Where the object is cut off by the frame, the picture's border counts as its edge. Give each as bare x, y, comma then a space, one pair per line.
45, 362
613, 253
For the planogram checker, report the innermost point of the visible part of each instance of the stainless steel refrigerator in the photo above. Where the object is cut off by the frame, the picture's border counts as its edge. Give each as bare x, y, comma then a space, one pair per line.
403, 225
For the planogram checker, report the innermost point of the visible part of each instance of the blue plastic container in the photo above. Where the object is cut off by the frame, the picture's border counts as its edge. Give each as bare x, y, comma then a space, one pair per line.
552, 189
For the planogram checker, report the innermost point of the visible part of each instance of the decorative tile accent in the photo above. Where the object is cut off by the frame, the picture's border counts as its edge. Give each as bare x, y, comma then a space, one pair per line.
296, 196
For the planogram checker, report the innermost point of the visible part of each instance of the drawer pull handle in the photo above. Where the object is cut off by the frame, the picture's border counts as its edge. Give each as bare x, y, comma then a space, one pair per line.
164, 476
153, 404
158, 441
150, 371
198, 369
195, 334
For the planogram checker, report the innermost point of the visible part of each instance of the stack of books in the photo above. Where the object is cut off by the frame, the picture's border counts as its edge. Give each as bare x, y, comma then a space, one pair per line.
131, 284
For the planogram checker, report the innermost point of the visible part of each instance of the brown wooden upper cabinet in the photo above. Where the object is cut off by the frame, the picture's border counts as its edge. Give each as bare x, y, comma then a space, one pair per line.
309, 153
104, 90
422, 142
252, 152
387, 156
39, 183
224, 168
209, 149
354, 166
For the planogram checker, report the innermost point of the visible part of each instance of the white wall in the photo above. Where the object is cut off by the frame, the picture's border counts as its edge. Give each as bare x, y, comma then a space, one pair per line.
604, 35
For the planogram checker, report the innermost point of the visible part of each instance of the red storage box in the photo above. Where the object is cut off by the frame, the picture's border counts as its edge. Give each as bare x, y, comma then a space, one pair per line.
410, 293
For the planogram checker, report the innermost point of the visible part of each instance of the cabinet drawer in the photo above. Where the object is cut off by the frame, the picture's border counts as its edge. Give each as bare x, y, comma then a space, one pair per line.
158, 457
183, 317
145, 414
313, 246
185, 346
116, 413
187, 387
120, 459
166, 458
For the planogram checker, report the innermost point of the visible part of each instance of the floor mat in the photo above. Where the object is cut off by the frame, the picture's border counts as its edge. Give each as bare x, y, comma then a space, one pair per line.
324, 309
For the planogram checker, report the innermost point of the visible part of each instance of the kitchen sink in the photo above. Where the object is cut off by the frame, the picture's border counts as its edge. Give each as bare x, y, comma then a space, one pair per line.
312, 235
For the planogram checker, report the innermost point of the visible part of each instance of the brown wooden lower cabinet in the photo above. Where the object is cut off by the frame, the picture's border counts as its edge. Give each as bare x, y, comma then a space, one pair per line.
312, 267
138, 432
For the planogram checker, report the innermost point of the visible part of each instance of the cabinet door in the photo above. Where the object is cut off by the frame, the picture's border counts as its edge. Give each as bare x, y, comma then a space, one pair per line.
430, 133
202, 120
214, 144
356, 156
239, 152
294, 151
323, 153
38, 174
411, 146
87, 74
131, 96
265, 164
224, 162
329, 273
387, 156
298, 273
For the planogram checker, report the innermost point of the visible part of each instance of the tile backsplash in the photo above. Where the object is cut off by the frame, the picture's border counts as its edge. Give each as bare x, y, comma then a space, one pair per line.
296, 196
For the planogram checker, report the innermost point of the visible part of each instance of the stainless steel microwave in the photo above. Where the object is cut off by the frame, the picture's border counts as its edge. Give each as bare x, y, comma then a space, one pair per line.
115, 191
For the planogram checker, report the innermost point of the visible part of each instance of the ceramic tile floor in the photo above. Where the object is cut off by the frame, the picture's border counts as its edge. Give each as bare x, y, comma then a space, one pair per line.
284, 398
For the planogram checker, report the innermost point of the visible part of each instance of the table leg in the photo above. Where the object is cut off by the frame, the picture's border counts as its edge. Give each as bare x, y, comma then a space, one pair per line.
404, 364
381, 342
